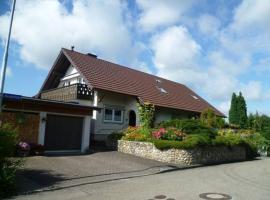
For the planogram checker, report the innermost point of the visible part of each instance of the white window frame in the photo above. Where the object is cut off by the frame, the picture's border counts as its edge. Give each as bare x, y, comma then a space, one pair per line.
113, 115
80, 80
67, 83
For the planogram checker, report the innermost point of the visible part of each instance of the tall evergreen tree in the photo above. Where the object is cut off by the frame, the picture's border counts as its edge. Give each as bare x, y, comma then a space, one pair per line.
242, 111
233, 113
250, 121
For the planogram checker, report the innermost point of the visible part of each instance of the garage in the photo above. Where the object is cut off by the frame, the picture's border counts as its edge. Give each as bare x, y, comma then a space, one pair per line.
63, 133
56, 125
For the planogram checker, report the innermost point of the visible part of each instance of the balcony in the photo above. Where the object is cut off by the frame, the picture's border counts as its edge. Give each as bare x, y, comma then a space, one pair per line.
68, 93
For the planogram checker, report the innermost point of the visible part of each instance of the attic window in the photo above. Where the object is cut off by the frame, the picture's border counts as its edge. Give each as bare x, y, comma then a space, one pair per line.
195, 97
162, 90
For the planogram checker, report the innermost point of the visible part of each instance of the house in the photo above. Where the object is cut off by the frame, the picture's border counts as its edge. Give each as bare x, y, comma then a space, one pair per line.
90, 81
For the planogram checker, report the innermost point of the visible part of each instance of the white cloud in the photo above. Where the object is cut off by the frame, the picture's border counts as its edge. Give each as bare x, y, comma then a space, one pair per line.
224, 107
209, 25
249, 31
219, 85
252, 15
228, 64
159, 13
176, 55
252, 90
41, 28
174, 52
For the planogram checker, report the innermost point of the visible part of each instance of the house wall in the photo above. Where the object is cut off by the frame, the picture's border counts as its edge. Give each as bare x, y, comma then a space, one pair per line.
163, 114
120, 101
102, 129
71, 76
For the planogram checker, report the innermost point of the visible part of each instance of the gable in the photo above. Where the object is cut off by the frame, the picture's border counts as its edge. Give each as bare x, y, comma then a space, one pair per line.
71, 71
57, 71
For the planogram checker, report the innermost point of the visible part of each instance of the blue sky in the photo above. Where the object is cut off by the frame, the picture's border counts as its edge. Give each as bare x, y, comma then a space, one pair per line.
214, 47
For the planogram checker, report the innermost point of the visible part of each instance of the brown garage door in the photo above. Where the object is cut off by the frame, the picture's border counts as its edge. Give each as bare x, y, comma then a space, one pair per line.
63, 132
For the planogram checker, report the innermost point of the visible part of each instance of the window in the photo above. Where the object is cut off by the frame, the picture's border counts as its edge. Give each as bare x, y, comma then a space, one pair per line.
108, 115
118, 115
162, 90
195, 97
81, 80
66, 83
113, 115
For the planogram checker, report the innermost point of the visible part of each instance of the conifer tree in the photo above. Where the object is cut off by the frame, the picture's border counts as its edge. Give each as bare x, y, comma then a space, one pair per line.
233, 113
242, 111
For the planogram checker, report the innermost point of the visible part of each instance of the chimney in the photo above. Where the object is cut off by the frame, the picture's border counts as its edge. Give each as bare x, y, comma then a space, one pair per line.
72, 48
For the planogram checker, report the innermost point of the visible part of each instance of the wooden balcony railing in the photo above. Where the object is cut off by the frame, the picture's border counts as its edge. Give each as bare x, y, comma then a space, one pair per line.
68, 93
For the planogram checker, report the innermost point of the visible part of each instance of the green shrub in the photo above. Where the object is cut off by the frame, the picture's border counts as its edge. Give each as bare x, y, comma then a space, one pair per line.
8, 141
145, 131
229, 140
115, 136
173, 134
252, 141
7, 177
136, 134
220, 122
8, 166
257, 141
190, 142
189, 126
208, 118
135, 137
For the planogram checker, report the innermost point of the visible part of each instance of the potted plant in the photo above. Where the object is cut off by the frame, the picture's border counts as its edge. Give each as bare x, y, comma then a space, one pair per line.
23, 149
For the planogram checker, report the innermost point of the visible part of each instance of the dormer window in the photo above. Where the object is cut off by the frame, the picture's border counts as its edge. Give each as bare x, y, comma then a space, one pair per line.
162, 90
195, 97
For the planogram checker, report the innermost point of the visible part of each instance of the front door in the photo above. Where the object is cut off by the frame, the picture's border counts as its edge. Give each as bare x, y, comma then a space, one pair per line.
132, 118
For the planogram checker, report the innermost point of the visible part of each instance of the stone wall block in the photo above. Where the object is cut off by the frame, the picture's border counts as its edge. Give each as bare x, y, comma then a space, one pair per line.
204, 155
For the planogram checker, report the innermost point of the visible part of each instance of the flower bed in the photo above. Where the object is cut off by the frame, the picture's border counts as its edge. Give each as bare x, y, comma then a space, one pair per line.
190, 141
202, 155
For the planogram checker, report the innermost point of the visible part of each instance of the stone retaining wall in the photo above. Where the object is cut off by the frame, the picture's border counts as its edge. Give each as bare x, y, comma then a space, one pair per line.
207, 155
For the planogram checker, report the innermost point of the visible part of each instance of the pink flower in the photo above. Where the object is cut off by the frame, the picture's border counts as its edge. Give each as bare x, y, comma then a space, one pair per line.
159, 133
24, 146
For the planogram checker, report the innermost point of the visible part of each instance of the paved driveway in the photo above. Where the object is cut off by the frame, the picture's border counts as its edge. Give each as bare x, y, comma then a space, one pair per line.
46, 173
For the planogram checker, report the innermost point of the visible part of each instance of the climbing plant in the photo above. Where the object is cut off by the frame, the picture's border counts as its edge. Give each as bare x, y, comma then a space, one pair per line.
146, 114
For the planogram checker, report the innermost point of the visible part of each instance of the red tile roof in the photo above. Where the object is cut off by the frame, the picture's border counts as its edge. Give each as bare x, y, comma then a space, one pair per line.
105, 75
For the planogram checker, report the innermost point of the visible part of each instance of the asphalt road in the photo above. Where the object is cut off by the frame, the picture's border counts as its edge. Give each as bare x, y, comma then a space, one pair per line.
144, 180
